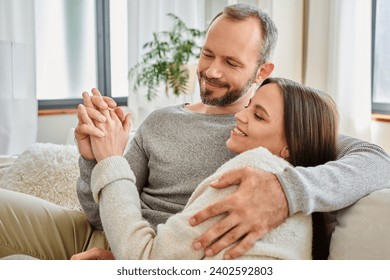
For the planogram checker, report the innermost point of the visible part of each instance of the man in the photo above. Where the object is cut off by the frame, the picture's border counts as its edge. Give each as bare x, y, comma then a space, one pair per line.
235, 55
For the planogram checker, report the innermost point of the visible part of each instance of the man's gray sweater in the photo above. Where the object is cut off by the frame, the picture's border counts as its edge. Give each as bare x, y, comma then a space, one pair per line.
175, 149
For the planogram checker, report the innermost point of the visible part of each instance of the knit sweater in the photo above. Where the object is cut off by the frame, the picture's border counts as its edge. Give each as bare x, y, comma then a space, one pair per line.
174, 150
131, 237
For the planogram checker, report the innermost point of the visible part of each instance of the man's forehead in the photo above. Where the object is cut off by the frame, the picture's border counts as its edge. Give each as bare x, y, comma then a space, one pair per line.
233, 35
249, 27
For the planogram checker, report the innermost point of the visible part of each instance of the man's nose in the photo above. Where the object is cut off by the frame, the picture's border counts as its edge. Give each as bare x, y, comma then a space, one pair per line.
214, 71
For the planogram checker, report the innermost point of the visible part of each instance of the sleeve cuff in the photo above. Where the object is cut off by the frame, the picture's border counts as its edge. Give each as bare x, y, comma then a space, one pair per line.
108, 171
283, 180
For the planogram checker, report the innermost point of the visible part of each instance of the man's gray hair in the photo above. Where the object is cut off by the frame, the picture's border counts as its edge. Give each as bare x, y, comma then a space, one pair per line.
267, 26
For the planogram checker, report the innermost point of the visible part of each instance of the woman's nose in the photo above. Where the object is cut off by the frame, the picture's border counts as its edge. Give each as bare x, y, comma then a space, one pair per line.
241, 116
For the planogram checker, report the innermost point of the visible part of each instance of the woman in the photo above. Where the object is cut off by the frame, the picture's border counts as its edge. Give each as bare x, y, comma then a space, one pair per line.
285, 123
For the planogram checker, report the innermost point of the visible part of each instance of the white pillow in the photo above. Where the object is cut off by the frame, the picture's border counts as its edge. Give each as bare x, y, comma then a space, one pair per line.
363, 229
47, 171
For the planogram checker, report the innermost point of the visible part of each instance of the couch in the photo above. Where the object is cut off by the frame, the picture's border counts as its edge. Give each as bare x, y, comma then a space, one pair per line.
49, 171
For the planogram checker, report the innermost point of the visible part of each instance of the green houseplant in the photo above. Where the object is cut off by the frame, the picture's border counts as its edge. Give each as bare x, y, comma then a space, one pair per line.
165, 59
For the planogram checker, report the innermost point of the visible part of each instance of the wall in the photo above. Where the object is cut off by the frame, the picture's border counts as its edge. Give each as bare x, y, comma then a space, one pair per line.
380, 134
288, 17
55, 128
316, 67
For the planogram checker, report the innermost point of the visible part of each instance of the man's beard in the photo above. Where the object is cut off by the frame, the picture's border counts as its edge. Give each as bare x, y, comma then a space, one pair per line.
229, 97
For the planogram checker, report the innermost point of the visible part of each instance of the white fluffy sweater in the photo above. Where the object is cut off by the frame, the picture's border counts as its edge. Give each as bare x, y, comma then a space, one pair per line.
131, 237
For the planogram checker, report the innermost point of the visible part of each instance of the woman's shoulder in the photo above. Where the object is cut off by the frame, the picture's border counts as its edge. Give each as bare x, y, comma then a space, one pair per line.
260, 158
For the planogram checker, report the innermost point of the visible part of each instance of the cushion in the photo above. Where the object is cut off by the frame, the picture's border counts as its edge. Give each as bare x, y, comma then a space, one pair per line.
47, 171
363, 229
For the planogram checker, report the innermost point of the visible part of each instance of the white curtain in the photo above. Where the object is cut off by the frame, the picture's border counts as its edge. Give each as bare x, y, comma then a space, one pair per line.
18, 113
146, 17
338, 59
349, 65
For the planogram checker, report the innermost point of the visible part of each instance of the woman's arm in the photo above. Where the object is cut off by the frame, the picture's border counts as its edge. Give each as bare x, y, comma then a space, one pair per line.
112, 142
131, 237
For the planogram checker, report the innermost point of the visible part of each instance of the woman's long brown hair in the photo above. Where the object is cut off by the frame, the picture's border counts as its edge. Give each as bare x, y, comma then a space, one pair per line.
310, 125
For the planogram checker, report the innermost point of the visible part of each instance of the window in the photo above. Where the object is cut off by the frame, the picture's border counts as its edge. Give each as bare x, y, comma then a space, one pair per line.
79, 45
381, 57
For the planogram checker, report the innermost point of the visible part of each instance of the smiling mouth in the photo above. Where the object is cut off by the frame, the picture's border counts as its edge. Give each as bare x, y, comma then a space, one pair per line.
213, 82
239, 132
214, 85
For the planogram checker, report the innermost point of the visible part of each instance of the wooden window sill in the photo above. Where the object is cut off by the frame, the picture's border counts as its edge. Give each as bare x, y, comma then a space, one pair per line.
380, 117
57, 112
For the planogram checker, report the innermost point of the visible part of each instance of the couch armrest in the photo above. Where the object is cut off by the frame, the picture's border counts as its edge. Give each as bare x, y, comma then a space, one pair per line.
363, 229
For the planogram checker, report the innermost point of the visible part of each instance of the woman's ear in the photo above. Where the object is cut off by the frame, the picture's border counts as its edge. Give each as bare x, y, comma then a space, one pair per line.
284, 153
264, 72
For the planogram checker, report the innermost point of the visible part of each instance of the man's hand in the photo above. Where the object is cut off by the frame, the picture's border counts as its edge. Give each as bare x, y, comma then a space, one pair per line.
94, 254
258, 206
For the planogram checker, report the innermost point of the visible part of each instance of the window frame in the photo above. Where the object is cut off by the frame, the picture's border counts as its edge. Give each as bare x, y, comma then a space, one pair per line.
103, 63
376, 107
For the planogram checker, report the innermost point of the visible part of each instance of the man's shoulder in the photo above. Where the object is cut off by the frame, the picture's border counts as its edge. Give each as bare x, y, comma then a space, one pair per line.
162, 113
180, 115
164, 116
172, 109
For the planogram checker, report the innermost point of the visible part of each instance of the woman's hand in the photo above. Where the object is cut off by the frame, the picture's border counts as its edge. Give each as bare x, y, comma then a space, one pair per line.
116, 135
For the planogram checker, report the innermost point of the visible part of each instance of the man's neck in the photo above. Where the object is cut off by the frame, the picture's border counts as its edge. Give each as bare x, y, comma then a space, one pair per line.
212, 110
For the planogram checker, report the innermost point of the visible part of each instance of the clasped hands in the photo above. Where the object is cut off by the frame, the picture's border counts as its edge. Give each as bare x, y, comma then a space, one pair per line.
258, 206
103, 129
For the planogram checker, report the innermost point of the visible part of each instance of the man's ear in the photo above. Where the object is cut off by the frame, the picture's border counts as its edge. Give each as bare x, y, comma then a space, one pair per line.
264, 72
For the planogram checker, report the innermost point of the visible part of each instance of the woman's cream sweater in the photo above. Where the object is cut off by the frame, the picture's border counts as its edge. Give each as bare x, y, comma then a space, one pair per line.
131, 237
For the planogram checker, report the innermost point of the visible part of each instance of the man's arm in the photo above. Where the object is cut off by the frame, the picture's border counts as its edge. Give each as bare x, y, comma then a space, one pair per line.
246, 220
361, 168
84, 193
